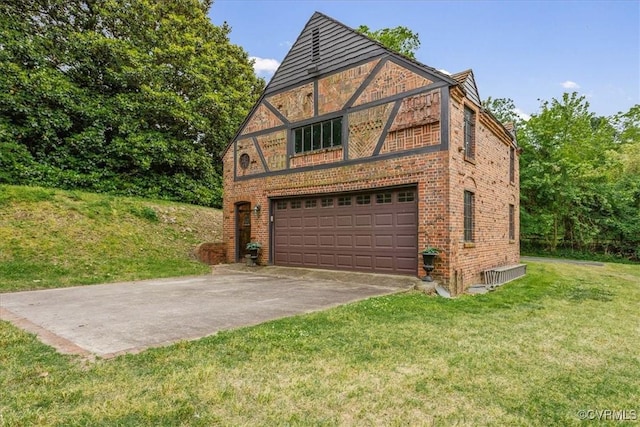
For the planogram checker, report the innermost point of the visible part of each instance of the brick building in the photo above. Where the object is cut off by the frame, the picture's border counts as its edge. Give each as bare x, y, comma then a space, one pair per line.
357, 158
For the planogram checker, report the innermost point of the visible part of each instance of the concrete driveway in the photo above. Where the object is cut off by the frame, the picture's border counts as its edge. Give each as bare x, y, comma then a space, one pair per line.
111, 319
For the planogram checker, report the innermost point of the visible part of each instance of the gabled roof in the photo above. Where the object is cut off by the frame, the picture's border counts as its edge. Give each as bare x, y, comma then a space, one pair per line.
468, 83
339, 46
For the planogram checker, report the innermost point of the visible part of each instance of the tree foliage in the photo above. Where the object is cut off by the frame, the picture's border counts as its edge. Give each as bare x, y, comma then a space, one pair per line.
580, 175
399, 39
134, 97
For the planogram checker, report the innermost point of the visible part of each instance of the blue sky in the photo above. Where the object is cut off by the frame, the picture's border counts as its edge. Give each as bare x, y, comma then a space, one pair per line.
523, 50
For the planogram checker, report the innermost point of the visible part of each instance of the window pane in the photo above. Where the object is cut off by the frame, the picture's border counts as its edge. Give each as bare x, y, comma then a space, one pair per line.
281, 204
512, 224
383, 198
309, 204
296, 204
297, 137
406, 196
327, 203
326, 134
363, 200
317, 136
468, 216
344, 201
307, 138
337, 132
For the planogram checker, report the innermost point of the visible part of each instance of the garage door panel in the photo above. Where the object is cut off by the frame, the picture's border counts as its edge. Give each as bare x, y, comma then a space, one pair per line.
376, 237
311, 259
326, 260
406, 241
327, 221
327, 240
295, 240
384, 219
363, 241
295, 222
364, 261
384, 241
344, 220
310, 222
364, 220
408, 218
343, 241
344, 261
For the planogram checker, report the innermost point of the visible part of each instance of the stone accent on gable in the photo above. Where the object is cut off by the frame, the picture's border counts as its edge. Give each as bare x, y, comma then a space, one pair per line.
335, 90
410, 138
274, 149
255, 164
392, 79
417, 111
262, 119
365, 128
295, 104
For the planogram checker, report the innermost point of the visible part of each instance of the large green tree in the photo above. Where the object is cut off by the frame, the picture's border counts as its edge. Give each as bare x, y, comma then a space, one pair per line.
135, 97
398, 39
580, 175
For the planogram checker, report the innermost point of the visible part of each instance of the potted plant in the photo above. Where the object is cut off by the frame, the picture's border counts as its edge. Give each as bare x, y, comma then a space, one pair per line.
254, 248
428, 259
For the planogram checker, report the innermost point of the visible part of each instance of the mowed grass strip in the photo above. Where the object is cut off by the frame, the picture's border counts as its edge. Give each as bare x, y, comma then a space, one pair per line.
52, 238
537, 351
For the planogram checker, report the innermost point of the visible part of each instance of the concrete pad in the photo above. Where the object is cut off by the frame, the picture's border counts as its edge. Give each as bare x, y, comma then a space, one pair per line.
111, 319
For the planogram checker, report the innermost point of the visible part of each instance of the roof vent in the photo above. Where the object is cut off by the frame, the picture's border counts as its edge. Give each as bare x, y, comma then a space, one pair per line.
315, 45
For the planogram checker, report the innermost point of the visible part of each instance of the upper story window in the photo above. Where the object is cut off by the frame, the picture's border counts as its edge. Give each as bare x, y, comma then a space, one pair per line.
317, 136
512, 222
512, 164
469, 133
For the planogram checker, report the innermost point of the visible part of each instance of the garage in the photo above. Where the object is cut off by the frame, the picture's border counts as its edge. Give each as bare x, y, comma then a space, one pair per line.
373, 231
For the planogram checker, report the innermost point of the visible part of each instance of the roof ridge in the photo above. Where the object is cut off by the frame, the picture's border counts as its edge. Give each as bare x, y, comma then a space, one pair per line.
414, 61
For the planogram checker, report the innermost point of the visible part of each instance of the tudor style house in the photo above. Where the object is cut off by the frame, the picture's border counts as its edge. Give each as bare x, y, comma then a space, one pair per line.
356, 158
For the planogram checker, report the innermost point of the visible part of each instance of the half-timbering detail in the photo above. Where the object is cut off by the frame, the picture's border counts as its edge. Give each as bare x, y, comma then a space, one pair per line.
411, 138
359, 160
365, 128
335, 90
417, 111
247, 152
274, 149
295, 104
262, 118
392, 79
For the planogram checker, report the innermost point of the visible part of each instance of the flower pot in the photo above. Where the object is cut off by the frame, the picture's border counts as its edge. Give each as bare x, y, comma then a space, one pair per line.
429, 264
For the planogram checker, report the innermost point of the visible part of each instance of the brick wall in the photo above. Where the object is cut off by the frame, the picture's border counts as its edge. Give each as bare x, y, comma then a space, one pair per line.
488, 178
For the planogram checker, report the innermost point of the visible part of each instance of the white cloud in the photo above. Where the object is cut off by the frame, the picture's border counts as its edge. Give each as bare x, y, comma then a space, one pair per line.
524, 116
264, 66
570, 85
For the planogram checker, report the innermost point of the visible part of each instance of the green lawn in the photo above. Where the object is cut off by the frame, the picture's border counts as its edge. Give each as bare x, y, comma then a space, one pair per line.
53, 238
537, 351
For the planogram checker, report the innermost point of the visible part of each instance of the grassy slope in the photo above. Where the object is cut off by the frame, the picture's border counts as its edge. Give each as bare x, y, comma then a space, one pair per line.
535, 352
52, 238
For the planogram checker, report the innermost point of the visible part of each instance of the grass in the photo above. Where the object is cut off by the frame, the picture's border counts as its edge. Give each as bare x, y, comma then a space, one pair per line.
535, 352
52, 238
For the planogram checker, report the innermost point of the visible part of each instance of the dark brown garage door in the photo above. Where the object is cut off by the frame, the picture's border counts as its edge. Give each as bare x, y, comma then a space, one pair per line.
373, 231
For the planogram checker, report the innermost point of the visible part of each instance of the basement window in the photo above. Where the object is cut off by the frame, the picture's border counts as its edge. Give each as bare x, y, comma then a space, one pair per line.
317, 136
